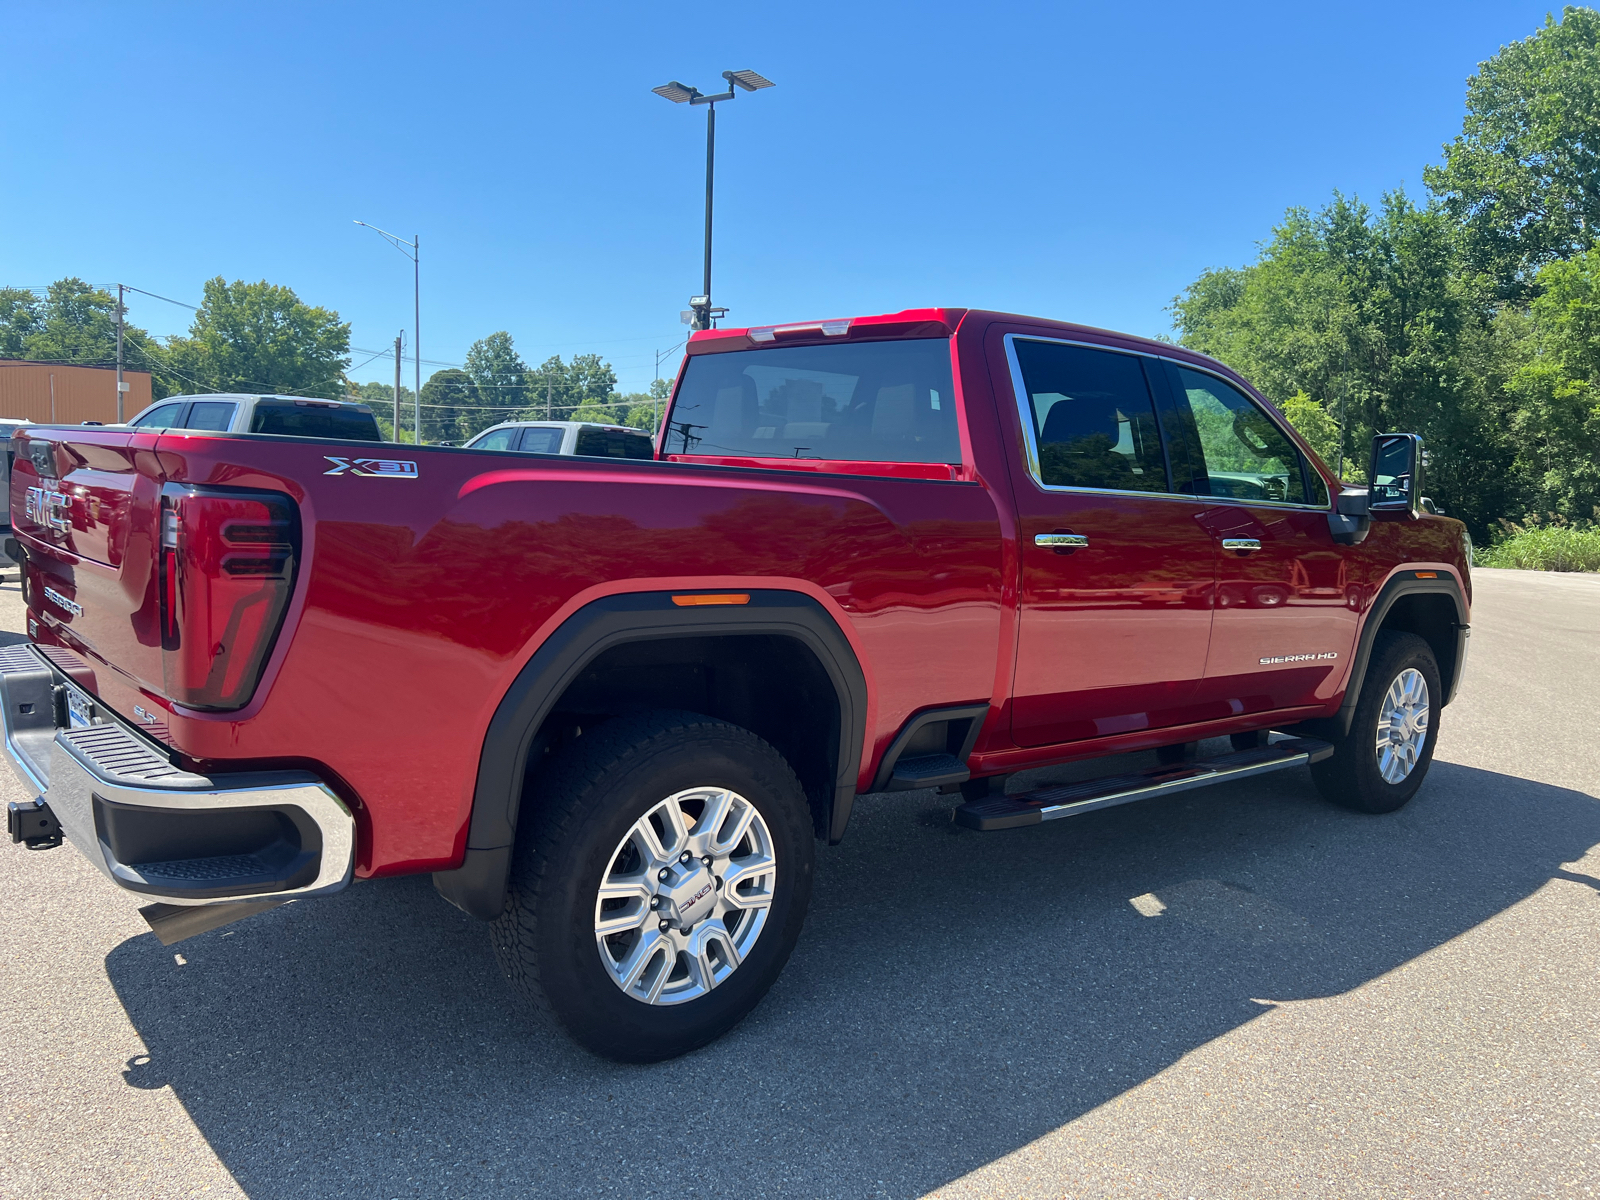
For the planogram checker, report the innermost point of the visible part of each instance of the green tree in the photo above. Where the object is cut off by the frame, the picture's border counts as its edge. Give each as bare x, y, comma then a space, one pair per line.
500, 379
1524, 176
260, 337
559, 389
1555, 418
1312, 422
76, 323
1373, 316
450, 400
19, 318
660, 389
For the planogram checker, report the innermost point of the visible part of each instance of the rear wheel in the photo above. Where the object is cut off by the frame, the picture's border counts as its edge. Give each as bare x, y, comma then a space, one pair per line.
659, 886
1381, 762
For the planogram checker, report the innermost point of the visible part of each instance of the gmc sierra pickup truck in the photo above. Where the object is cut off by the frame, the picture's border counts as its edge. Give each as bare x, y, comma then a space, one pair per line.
613, 705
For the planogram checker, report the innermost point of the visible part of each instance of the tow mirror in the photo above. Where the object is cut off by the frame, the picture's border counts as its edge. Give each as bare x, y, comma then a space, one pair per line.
1396, 475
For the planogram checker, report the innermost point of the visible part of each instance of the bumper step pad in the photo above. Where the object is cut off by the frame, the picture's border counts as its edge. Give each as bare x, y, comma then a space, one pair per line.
1070, 799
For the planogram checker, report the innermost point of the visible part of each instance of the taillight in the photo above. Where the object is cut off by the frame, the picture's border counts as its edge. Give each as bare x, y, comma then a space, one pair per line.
227, 569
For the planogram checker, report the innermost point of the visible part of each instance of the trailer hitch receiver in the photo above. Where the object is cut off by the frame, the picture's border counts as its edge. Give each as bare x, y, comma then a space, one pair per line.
33, 824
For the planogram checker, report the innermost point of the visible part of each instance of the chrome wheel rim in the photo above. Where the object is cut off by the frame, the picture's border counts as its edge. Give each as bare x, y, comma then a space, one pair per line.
685, 896
1402, 725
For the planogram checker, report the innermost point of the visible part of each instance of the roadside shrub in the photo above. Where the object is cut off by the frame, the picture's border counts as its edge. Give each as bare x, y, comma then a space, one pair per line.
1538, 546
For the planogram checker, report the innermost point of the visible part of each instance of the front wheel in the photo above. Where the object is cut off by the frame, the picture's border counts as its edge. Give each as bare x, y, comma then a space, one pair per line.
1381, 762
659, 884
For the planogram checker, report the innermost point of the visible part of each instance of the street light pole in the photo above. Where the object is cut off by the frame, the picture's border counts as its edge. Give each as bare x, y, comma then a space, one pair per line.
397, 386
411, 250
711, 171
121, 387
680, 93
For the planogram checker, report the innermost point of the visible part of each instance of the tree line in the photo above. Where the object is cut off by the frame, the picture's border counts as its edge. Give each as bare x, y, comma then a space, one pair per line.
261, 337
1471, 317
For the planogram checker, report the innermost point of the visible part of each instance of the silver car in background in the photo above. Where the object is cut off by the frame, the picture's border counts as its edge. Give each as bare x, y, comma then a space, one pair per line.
587, 438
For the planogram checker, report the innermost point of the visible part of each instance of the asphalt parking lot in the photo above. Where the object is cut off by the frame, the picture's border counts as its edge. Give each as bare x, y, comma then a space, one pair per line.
1322, 1004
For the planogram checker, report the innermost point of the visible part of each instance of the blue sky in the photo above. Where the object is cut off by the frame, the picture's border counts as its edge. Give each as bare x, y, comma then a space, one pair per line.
1075, 161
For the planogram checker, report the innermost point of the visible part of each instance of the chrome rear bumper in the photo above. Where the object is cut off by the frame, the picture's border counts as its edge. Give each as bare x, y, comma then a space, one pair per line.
158, 831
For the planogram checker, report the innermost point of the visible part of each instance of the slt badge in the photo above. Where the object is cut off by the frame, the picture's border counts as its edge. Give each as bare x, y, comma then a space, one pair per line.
377, 468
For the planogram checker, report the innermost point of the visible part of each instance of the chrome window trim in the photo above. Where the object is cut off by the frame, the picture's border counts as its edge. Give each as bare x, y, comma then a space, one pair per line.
1030, 439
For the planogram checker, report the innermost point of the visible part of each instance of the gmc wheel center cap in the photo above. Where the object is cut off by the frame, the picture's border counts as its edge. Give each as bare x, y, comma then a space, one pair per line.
693, 896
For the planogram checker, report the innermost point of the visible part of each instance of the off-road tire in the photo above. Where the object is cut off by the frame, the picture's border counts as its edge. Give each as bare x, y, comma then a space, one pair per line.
577, 811
1351, 776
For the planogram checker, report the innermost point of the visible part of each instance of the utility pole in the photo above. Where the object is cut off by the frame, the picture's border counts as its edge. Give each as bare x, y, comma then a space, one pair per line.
549, 391
416, 328
413, 251
121, 386
397, 385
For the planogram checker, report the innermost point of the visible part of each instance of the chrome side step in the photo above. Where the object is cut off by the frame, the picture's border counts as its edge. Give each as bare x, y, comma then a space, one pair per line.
1070, 799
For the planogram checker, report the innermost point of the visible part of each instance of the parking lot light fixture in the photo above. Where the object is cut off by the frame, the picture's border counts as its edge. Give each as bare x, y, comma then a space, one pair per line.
681, 93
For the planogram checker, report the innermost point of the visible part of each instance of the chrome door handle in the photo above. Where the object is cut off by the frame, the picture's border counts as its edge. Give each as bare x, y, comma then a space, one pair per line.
1242, 545
1061, 541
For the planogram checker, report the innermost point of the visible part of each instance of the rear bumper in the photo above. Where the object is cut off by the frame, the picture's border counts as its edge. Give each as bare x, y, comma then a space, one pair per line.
162, 833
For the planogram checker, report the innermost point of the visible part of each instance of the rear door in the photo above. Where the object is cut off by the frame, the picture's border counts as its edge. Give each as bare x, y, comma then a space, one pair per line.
1285, 617
1117, 570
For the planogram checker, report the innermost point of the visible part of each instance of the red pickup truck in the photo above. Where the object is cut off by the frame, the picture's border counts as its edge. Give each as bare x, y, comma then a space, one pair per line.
612, 706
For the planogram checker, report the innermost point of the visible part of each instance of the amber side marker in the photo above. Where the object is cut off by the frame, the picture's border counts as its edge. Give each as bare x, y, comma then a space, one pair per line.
712, 598
1420, 575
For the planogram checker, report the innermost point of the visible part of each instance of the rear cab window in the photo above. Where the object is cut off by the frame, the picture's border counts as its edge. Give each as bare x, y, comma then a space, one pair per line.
613, 443
826, 406
309, 419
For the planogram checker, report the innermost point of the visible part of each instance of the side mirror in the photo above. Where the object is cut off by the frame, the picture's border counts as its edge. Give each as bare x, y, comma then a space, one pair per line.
1396, 474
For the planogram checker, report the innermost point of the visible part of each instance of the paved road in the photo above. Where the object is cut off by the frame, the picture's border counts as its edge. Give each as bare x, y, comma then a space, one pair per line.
1327, 1005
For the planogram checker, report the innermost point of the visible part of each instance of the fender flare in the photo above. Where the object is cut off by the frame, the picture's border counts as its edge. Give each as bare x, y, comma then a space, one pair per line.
1403, 583
478, 885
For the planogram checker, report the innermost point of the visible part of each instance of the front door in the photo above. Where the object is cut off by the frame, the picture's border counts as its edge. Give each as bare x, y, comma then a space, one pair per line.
1285, 615
1117, 569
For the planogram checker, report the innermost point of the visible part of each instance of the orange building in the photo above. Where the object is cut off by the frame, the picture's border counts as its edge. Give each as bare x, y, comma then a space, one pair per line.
55, 393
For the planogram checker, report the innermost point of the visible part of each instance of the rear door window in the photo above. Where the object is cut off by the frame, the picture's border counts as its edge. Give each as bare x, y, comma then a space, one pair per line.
212, 415
314, 420
1094, 422
541, 439
613, 443
850, 402
1234, 448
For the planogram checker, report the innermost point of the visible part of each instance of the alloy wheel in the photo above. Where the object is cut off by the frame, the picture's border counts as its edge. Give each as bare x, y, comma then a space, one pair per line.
1402, 725
685, 895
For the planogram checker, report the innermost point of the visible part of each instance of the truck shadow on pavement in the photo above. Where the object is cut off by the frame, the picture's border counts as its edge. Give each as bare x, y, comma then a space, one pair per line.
955, 996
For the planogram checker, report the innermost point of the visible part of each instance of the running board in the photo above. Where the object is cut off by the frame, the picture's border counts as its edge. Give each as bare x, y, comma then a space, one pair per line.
1070, 799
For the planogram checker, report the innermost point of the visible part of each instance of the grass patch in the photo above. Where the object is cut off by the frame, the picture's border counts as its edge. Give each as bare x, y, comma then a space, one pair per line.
1545, 548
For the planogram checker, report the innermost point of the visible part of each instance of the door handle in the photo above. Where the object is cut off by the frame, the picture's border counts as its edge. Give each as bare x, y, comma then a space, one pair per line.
1242, 545
1061, 541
